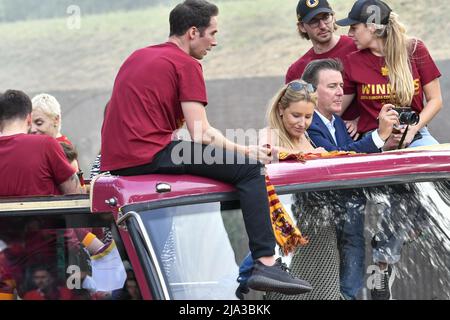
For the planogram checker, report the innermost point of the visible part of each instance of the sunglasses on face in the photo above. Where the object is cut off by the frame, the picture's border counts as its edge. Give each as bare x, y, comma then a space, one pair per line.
298, 86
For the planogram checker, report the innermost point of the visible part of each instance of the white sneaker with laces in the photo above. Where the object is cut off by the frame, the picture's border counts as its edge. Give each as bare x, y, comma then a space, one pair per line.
383, 281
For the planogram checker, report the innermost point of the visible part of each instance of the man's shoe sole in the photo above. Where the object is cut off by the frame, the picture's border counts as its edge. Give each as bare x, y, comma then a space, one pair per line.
261, 283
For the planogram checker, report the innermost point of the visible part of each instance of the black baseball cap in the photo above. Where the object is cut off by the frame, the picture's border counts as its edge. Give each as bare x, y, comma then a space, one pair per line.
367, 11
308, 9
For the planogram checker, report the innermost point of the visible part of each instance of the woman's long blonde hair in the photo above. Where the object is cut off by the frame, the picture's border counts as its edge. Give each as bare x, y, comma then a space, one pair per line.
397, 50
282, 99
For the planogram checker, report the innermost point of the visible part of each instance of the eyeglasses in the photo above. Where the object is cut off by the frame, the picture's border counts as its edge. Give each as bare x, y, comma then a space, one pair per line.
326, 18
298, 86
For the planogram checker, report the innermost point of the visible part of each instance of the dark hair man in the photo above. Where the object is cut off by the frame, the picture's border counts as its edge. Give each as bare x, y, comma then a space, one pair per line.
316, 22
327, 129
160, 87
46, 287
30, 164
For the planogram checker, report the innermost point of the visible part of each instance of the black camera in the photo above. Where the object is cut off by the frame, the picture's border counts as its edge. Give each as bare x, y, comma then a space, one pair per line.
407, 116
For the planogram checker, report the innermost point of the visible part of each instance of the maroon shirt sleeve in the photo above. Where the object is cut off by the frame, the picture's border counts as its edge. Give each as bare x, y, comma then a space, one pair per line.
296, 70
192, 84
426, 67
58, 163
290, 75
349, 85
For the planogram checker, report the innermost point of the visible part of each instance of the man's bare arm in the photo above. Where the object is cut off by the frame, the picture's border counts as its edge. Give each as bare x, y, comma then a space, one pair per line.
202, 132
71, 185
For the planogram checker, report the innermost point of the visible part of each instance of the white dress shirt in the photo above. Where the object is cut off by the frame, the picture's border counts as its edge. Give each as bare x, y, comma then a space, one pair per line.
330, 126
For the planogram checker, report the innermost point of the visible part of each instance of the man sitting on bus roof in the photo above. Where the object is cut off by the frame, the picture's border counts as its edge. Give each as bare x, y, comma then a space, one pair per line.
159, 88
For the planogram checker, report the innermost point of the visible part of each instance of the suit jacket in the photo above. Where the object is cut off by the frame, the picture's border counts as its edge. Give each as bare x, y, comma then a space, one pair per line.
321, 136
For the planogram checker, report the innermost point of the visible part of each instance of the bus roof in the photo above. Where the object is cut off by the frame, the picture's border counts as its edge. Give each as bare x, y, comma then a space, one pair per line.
406, 165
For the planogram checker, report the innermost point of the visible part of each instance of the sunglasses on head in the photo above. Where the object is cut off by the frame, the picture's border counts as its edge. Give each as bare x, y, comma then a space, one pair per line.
297, 86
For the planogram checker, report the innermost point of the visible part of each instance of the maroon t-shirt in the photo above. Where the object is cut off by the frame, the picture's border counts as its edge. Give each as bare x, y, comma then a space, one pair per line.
344, 47
145, 106
61, 294
32, 165
366, 76
64, 139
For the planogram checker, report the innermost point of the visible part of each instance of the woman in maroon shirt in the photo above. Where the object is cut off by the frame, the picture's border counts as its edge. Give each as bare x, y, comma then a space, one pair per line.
46, 117
389, 68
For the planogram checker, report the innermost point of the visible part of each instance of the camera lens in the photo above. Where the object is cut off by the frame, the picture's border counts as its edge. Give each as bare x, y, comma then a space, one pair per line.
409, 118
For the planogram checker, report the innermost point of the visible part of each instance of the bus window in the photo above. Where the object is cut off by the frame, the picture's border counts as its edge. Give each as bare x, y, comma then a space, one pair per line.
43, 258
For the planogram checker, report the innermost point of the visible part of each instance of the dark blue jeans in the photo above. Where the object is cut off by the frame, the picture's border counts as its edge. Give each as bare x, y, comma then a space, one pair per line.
351, 245
402, 215
245, 269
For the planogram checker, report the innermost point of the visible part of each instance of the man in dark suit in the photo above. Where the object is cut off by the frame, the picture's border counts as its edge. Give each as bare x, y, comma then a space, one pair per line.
327, 129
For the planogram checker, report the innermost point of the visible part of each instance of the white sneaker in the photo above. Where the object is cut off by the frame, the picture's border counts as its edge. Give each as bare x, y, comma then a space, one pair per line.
383, 281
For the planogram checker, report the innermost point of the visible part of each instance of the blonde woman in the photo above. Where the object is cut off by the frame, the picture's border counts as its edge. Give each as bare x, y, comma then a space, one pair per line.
46, 117
389, 67
289, 115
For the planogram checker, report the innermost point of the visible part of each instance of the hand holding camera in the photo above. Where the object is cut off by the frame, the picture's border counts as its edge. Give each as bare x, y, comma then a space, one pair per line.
406, 117
387, 121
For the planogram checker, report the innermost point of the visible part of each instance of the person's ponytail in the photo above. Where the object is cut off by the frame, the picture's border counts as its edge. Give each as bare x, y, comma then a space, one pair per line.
397, 50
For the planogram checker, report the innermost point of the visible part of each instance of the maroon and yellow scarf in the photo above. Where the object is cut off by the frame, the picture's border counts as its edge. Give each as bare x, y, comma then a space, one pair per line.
287, 234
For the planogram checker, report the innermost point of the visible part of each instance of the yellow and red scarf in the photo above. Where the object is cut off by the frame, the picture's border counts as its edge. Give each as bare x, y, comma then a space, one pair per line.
287, 234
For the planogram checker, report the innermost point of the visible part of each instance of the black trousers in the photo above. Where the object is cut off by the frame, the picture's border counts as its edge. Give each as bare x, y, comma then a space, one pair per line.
186, 157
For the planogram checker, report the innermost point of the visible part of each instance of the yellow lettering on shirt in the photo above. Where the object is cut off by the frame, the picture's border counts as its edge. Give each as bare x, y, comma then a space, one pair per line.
381, 89
389, 89
376, 89
365, 89
416, 86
